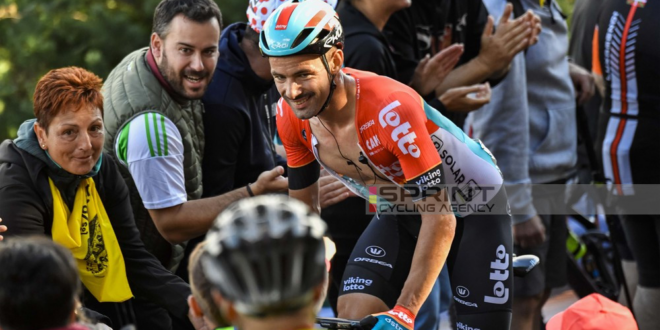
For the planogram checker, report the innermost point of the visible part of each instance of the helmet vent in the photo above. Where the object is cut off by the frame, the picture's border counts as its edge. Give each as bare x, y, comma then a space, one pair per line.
302, 36
263, 40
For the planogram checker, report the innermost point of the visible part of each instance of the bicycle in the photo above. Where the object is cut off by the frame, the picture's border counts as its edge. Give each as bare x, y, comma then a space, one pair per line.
522, 265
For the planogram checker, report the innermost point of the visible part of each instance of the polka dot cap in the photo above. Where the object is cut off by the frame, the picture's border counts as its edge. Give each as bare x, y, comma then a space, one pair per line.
259, 10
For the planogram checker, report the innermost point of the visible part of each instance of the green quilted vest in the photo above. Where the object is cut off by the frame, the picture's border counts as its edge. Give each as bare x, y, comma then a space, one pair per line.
130, 90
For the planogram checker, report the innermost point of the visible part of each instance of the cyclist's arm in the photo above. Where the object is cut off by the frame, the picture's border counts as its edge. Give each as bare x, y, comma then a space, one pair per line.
304, 185
308, 195
302, 168
402, 124
435, 237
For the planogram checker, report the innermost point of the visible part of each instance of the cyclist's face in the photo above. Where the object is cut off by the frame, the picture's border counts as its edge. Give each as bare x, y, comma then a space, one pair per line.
187, 55
302, 81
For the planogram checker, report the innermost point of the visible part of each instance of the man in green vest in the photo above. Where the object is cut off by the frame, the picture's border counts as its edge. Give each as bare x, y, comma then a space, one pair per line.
153, 120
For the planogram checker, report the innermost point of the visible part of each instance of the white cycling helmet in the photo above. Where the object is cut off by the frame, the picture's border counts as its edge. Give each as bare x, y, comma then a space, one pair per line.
265, 254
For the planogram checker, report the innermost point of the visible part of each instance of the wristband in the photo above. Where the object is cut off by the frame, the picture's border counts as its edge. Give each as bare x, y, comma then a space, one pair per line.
403, 314
249, 190
397, 318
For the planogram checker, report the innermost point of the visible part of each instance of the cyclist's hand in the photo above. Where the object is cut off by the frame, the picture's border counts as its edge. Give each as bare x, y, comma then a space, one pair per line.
432, 71
530, 233
510, 37
270, 182
466, 99
399, 318
2, 229
331, 190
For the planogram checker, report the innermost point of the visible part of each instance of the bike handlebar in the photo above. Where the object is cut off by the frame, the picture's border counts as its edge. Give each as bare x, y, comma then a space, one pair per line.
366, 323
522, 265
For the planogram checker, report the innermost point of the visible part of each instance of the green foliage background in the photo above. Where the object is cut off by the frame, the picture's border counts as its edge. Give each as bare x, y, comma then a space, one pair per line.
37, 36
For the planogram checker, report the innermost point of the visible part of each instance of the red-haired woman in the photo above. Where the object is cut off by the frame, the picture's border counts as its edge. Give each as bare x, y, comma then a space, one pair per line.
55, 181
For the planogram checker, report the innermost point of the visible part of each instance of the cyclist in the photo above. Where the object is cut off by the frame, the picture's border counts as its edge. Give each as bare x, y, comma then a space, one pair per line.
367, 130
625, 56
265, 257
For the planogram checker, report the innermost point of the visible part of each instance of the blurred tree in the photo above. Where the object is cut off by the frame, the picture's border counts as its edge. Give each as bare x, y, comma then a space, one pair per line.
37, 36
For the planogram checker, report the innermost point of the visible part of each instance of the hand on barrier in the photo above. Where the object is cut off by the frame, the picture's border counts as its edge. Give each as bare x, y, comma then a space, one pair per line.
399, 318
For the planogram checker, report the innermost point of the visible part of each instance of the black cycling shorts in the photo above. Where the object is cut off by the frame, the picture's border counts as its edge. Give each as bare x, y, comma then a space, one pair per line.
479, 263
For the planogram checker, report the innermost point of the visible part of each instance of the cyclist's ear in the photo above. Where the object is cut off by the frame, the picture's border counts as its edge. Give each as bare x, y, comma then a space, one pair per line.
336, 60
194, 307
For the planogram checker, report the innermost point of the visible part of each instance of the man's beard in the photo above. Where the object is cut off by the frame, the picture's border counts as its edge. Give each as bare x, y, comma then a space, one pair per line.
175, 79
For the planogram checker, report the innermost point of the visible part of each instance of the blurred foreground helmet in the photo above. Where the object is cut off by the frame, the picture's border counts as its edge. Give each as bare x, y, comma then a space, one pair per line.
266, 254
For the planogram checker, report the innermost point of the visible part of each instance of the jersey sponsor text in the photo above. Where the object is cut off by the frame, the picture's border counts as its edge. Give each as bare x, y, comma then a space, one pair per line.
356, 283
499, 273
401, 132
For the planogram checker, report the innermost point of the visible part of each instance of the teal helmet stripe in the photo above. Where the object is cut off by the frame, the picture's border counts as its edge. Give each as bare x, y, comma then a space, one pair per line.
280, 33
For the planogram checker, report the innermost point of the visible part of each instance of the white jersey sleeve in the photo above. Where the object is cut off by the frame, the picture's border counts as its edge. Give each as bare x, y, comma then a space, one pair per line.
150, 146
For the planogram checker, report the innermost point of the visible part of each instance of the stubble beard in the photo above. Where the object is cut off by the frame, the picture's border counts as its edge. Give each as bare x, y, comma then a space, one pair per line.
175, 80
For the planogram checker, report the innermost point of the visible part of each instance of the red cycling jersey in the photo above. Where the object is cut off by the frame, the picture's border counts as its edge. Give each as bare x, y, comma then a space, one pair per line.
384, 108
402, 136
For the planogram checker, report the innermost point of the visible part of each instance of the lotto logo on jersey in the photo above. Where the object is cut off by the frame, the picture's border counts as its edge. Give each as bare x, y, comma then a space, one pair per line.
499, 273
401, 132
401, 316
394, 170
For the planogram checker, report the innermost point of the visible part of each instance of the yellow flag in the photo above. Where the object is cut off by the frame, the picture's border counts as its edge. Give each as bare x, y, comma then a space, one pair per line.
88, 234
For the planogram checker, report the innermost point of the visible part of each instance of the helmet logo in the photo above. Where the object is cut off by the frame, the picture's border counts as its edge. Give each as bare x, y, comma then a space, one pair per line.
375, 251
285, 15
332, 39
278, 45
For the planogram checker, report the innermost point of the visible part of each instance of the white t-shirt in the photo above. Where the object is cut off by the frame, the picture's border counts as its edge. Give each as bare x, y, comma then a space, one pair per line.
150, 146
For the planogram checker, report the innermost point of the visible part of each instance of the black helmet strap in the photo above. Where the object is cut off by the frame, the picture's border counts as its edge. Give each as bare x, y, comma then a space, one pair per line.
332, 84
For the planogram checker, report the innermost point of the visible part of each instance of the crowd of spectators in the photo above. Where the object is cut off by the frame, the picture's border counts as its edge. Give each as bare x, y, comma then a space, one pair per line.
127, 175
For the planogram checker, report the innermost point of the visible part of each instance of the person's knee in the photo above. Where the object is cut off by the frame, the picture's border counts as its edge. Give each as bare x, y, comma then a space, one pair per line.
355, 306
